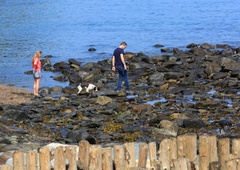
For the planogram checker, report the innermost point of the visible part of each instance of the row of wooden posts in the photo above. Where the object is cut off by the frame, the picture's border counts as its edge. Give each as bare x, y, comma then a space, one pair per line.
185, 152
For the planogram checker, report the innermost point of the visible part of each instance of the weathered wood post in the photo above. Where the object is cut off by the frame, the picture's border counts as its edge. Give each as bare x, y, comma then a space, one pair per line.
83, 155
71, 156
235, 149
154, 162
181, 164
167, 152
130, 157
31, 160
187, 146
18, 160
95, 157
223, 149
6, 167
59, 159
119, 157
107, 162
233, 164
44, 158
207, 151
143, 156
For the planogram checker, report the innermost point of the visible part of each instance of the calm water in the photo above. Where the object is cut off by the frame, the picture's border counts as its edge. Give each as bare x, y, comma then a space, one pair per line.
67, 29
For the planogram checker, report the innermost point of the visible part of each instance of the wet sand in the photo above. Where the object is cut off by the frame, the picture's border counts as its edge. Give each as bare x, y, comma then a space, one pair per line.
13, 96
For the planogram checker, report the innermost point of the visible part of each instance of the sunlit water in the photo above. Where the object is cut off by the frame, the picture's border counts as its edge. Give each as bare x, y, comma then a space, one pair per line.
67, 29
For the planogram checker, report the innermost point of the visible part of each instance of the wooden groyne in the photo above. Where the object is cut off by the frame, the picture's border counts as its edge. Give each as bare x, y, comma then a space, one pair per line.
185, 152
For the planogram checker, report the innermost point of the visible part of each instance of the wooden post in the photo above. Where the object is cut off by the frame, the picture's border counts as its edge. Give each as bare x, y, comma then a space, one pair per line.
71, 156
164, 154
187, 146
235, 149
31, 160
6, 167
207, 151
119, 157
44, 158
18, 160
130, 157
83, 155
143, 155
232, 164
107, 162
154, 162
181, 164
95, 157
167, 152
59, 159
223, 149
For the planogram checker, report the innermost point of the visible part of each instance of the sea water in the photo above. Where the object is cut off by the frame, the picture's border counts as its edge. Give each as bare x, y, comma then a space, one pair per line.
67, 29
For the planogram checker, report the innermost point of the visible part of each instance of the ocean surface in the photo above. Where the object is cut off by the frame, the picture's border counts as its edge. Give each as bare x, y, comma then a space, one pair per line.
67, 29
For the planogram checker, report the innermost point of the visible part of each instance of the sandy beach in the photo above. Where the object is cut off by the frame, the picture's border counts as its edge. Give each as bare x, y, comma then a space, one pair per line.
12, 95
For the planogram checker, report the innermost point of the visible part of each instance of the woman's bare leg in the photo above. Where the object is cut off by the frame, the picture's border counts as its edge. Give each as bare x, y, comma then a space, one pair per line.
36, 86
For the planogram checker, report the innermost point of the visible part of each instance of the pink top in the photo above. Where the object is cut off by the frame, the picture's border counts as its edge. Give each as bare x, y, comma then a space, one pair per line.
37, 66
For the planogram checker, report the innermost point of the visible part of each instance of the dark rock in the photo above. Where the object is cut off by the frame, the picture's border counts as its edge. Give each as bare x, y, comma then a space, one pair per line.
219, 75
78, 135
228, 64
44, 91
57, 89
192, 45
158, 45
212, 68
73, 61
91, 49
193, 123
61, 78
70, 90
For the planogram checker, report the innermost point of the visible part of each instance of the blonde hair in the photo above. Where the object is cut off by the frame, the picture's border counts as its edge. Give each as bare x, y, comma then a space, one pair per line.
38, 53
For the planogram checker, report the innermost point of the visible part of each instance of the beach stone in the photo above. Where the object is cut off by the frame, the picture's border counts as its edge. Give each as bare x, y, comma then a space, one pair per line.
70, 90
76, 67
228, 64
193, 123
103, 100
74, 61
78, 135
219, 75
212, 68
61, 65
169, 127
192, 45
142, 108
222, 46
156, 77
44, 91
61, 78
178, 116
92, 49
74, 79
207, 46
211, 57
57, 89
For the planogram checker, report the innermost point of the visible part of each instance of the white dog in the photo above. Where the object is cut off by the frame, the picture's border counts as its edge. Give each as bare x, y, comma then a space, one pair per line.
88, 87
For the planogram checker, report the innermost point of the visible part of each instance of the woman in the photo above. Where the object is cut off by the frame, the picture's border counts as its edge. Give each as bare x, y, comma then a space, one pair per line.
37, 74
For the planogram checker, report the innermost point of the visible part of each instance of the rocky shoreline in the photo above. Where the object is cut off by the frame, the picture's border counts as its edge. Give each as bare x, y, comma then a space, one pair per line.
177, 92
